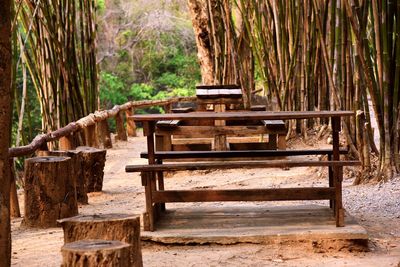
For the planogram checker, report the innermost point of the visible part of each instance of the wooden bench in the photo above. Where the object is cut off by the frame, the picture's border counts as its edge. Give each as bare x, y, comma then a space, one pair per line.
157, 196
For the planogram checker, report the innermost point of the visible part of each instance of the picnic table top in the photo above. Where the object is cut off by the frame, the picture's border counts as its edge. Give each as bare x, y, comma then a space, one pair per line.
243, 115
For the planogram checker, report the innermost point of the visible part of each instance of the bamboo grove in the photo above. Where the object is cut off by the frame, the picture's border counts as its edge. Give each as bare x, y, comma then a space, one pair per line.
314, 55
57, 45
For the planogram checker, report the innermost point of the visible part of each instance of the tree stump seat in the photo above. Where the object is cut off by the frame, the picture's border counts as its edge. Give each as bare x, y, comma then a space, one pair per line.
122, 227
102, 253
93, 167
50, 192
77, 170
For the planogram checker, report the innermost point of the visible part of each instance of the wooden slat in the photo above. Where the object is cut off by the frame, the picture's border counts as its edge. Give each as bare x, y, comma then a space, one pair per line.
278, 194
182, 110
249, 115
223, 86
239, 154
211, 131
237, 165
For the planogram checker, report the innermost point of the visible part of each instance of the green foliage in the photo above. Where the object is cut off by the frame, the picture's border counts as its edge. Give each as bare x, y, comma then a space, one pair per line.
112, 90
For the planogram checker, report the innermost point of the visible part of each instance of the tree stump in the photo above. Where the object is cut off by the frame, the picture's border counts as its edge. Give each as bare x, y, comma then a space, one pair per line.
93, 161
122, 227
77, 170
96, 253
49, 191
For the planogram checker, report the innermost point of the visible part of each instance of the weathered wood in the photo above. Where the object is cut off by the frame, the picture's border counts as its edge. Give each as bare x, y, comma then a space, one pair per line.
258, 108
182, 110
96, 253
91, 119
237, 165
91, 136
14, 203
67, 142
121, 227
211, 131
49, 191
219, 86
249, 115
76, 170
239, 154
93, 161
104, 135
130, 124
121, 132
278, 194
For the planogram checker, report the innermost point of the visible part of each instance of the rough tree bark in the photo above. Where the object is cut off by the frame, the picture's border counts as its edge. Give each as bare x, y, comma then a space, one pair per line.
93, 161
122, 227
49, 191
198, 11
5, 113
95, 253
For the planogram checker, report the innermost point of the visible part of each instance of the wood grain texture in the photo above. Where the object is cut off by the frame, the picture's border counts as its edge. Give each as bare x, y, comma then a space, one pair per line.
250, 115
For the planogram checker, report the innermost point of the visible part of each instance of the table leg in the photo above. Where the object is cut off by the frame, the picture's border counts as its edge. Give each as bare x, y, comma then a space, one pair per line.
148, 216
330, 175
160, 180
337, 174
152, 209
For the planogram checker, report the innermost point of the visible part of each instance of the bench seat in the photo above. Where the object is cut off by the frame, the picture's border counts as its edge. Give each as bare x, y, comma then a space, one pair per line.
238, 165
239, 154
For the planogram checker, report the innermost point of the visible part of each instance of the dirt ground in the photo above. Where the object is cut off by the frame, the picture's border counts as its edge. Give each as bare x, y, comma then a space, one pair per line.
375, 206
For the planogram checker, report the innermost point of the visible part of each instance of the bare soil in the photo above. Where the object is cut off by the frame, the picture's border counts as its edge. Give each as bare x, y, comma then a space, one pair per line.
375, 206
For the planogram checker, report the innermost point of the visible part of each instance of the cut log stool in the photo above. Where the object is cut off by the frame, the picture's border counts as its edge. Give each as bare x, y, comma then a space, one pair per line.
122, 227
49, 191
93, 167
77, 170
96, 253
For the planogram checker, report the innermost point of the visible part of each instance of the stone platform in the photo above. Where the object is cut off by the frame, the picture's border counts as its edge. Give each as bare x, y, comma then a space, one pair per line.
252, 224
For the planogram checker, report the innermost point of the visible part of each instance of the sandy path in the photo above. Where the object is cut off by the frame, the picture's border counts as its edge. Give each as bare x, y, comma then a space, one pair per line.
375, 206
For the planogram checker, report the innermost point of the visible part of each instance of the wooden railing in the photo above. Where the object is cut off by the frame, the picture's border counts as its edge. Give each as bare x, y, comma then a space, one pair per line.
88, 125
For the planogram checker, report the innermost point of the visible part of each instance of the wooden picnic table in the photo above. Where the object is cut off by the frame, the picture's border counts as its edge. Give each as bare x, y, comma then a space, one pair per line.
155, 198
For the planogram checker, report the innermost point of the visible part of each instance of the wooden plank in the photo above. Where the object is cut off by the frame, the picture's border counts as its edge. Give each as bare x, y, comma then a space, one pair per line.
238, 165
248, 115
211, 131
182, 110
258, 108
277, 194
222, 86
240, 154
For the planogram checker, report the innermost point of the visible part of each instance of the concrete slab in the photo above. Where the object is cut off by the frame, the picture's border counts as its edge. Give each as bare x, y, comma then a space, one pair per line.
252, 224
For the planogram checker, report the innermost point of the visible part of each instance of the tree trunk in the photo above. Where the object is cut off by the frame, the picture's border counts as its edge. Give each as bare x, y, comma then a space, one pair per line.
14, 203
198, 11
49, 191
5, 115
93, 167
96, 253
77, 171
125, 228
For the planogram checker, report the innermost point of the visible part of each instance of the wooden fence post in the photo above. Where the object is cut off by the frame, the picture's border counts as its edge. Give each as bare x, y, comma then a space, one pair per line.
67, 142
90, 136
130, 124
103, 132
121, 133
